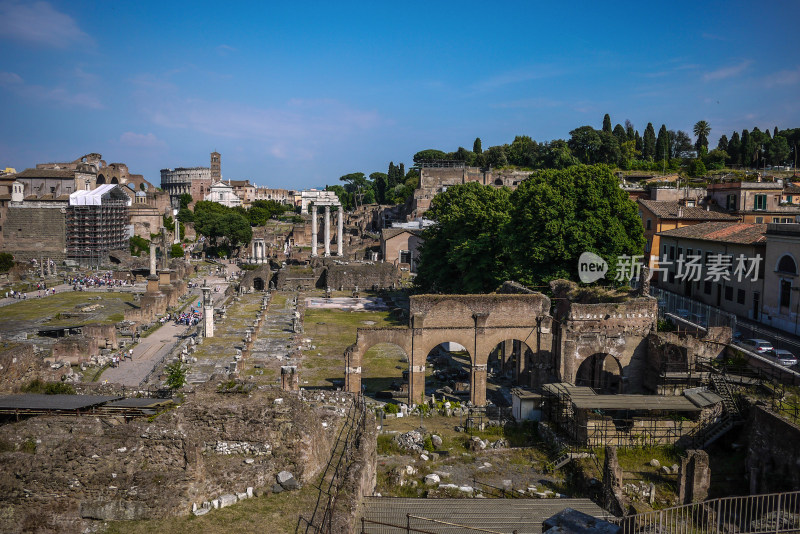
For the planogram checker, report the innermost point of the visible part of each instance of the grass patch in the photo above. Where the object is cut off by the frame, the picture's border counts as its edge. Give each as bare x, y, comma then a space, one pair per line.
48, 388
64, 308
276, 513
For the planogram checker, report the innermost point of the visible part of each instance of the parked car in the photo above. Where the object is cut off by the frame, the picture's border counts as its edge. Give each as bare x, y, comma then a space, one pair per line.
783, 357
757, 345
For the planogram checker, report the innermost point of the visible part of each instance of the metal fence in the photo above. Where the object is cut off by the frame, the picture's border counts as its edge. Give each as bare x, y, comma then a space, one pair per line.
414, 524
689, 313
754, 514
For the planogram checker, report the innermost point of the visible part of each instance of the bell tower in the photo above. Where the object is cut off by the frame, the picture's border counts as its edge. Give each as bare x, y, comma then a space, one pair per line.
216, 167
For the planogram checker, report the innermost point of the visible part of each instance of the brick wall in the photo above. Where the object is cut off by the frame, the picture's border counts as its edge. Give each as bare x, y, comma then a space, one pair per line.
35, 233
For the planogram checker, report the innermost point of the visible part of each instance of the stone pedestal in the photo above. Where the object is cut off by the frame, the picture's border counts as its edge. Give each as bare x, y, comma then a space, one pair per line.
290, 379
416, 384
152, 284
164, 277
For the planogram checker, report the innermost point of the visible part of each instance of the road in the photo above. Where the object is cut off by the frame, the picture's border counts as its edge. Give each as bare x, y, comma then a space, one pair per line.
151, 349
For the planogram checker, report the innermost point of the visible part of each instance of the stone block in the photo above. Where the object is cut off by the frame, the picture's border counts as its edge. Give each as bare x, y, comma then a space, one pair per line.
227, 500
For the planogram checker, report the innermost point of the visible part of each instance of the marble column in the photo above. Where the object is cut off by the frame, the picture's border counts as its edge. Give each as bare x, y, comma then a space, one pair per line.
327, 231
208, 311
177, 231
313, 230
152, 259
339, 231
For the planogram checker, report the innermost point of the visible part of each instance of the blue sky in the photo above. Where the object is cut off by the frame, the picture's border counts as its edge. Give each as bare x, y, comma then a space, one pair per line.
295, 95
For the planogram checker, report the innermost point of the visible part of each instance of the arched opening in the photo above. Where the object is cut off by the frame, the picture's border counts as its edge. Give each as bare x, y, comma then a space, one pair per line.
507, 366
114, 180
101, 180
601, 372
787, 265
384, 373
451, 364
258, 284
498, 182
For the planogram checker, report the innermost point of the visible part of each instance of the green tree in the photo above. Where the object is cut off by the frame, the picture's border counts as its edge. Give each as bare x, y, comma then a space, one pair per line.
748, 149
649, 143
463, 251
379, 184
428, 155
496, 156
185, 215
557, 155
701, 131
176, 251
734, 149
697, 168
6, 262
662, 144
585, 143
523, 151
779, 150
630, 132
683, 145
557, 215
723, 143
607, 123
609, 152
176, 375
476, 146
619, 133
185, 199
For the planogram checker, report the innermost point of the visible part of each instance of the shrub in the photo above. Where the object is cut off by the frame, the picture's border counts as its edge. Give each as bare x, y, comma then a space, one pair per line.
48, 388
427, 443
6, 262
391, 408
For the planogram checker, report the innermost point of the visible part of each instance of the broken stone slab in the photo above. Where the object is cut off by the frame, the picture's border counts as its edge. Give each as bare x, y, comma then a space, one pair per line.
200, 511
277, 488
215, 503
241, 496
249, 461
227, 500
437, 441
655, 463
287, 480
432, 479
249, 492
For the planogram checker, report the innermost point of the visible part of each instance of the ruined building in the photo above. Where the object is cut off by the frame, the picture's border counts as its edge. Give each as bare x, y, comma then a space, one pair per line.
195, 181
96, 223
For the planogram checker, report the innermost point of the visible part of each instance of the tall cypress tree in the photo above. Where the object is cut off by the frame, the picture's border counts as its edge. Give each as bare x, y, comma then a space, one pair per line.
735, 149
662, 144
723, 143
629, 131
748, 149
649, 142
619, 133
476, 146
401, 173
607, 123
391, 177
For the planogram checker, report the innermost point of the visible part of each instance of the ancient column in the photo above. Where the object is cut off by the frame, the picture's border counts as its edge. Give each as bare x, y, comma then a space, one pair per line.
339, 228
208, 311
164, 249
177, 231
152, 259
416, 384
313, 230
477, 385
327, 231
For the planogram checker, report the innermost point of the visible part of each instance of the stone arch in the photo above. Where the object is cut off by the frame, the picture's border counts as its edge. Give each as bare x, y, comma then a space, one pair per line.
114, 180
366, 338
101, 180
258, 284
601, 372
498, 182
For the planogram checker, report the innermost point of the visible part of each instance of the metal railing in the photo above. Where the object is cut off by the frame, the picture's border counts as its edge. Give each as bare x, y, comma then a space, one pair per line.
334, 472
691, 311
408, 528
754, 514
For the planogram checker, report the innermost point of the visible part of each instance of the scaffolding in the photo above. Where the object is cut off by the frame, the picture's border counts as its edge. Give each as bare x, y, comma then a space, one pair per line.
95, 228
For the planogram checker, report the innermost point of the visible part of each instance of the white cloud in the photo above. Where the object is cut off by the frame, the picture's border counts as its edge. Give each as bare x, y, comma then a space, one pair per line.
148, 140
515, 77
784, 77
15, 84
727, 72
293, 130
39, 23
9, 78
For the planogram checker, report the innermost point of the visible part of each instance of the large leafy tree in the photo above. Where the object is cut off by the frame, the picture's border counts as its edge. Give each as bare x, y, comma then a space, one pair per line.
428, 155
683, 144
585, 143
701, 131
220, 223
463, 252
557, 215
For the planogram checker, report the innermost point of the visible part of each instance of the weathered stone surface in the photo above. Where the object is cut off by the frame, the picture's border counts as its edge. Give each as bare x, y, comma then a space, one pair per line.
227, 500
117, 510
432, 479
437, 441
287, 480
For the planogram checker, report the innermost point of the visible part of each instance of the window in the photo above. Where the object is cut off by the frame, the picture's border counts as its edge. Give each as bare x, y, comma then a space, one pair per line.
672, 253
759, 220
649, 224
789, 199
730, 202
405, 256
728, 293
786, 293
787, 265
776, 219
760, 202
740, 296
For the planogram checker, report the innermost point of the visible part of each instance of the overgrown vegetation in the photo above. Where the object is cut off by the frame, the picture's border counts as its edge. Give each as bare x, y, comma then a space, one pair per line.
48, 388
